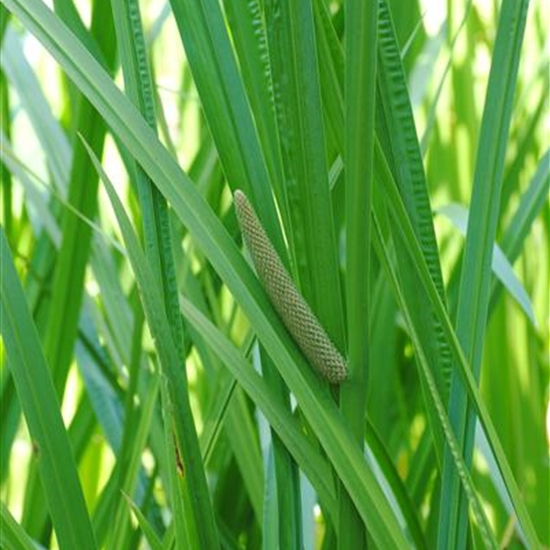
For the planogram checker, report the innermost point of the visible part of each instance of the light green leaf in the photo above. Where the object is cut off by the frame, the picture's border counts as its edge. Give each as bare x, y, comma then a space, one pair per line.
500, 265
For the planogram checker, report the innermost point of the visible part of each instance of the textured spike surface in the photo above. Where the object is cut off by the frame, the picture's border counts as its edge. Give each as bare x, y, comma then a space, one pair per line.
294, 311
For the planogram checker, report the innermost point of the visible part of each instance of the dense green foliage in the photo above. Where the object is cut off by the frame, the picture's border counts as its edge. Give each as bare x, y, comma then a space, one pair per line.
397, 154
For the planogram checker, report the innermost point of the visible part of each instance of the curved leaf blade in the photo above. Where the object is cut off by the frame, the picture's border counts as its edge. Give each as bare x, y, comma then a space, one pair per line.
42, 411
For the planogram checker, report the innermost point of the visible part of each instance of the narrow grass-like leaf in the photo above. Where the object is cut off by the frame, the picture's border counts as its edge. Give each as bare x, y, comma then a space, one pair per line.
184, 533
271, 520
73, 254
376, 448
291, 37
464, 476
331, 73
475, 279
213, 64
240, 428
403, 225
360, 99
146, 527
41, 409
262, 394
70, 265
500, 265
397, 133
526, 140
213, 419
56, 148
157, 234
154, 210
531, 204
37, 206
199, 514
129, 461
12, 535
246, 20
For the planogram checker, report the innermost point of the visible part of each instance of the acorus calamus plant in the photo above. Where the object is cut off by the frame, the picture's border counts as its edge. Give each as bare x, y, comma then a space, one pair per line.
274, 275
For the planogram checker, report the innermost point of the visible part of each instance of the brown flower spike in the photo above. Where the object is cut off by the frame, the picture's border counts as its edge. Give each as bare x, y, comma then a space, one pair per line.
294, 311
